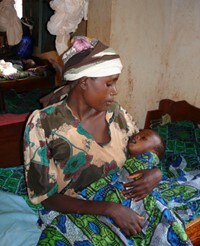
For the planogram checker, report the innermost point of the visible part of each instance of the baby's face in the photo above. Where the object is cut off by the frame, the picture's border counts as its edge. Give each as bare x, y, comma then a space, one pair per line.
143, 142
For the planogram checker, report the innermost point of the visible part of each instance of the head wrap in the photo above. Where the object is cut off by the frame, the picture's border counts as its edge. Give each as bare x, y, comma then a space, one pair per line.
90, 58
85, 58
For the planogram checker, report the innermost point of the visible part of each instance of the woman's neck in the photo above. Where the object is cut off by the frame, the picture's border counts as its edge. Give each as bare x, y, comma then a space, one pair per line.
80, 109
90, 118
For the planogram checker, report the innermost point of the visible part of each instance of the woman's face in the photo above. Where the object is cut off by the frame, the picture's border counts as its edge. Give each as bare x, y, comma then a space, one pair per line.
100, 92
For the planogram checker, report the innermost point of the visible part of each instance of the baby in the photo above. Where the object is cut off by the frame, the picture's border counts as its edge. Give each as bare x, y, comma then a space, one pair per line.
146, 148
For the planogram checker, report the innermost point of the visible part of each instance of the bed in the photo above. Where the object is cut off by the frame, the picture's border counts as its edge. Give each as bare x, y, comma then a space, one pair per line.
13, 187
38, 77
179, 116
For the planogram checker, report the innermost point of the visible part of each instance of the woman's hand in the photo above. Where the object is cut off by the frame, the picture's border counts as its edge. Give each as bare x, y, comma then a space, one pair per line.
142, 183
126, 219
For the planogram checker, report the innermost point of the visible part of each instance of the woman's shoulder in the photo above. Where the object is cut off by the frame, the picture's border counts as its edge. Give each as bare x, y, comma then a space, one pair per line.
52, 111
115, 111
120, 116
116, 108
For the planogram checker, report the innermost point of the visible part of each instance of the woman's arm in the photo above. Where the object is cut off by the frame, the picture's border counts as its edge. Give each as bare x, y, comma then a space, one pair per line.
146, 181
125, 218
66, 204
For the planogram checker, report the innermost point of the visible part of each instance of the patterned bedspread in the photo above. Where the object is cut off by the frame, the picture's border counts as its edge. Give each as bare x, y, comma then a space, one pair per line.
181, 168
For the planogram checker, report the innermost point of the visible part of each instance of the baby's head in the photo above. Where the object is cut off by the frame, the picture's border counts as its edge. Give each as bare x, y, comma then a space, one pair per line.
146, 141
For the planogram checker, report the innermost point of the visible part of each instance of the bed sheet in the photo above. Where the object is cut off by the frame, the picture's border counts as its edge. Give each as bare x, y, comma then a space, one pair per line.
180, 185
18, 222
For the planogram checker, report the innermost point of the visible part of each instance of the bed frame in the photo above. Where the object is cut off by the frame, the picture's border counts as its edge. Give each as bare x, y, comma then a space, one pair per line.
11, 139
180, 110
12, 125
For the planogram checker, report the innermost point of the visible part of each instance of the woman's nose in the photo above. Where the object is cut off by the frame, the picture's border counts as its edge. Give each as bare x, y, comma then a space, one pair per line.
114, 91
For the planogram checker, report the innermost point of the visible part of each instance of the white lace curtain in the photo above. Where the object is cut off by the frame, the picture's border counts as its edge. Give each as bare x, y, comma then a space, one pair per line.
10, 22
67, 15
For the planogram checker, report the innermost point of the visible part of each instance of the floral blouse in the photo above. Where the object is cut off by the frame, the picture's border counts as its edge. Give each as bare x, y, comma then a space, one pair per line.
60, 156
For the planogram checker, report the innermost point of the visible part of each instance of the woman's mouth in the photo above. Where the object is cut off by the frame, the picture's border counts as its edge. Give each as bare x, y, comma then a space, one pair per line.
109, 102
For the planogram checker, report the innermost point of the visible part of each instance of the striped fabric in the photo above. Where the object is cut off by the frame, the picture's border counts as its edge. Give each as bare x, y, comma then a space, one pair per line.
90, 58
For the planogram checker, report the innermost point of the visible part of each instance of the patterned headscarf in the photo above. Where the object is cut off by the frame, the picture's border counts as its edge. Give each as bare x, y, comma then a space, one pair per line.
90, 58
85, 58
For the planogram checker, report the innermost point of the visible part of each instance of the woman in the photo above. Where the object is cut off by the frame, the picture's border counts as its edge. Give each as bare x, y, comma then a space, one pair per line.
75, 142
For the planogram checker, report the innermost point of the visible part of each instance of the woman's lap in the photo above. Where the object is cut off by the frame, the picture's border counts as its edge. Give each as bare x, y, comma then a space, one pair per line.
161, 225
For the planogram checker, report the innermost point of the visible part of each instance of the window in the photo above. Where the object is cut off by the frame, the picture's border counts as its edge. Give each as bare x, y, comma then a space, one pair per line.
18, 7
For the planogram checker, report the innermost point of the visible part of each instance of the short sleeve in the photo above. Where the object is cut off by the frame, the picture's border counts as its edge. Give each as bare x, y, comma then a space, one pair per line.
127, 122
40, 169
131, 125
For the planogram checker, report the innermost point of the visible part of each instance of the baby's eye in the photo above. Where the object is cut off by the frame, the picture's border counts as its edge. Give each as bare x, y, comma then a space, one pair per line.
143, 138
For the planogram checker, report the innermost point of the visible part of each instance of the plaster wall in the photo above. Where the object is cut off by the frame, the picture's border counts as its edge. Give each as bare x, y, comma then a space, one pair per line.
159, 44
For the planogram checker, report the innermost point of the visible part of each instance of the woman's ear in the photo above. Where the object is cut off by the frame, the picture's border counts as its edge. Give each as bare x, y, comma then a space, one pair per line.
83, 83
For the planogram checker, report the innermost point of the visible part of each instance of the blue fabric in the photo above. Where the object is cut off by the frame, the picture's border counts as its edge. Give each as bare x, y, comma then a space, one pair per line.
18, 222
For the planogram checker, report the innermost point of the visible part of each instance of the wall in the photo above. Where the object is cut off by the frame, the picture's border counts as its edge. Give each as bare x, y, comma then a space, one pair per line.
159, 44
100, 19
